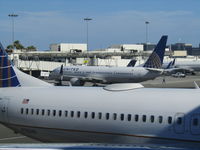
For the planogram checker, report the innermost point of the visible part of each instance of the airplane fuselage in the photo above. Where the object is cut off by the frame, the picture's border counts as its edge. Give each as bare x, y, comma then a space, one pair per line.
193, 66
96, 115
106, 74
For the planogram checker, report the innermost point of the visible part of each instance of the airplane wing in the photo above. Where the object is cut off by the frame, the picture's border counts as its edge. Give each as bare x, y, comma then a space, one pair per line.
155, 70
175, 70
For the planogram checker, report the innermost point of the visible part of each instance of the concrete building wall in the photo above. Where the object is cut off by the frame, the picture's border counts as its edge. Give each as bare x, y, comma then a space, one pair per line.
112, 62
137, 47
54, 47
180, 53
69, 47
126, 48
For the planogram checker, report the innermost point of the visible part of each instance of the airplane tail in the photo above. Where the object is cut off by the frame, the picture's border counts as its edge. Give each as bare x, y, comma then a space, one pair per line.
155, 60
10, 76
132, 63
173, 62
169, 65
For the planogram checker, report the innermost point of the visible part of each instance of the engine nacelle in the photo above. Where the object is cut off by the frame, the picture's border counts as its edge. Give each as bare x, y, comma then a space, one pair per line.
76, 82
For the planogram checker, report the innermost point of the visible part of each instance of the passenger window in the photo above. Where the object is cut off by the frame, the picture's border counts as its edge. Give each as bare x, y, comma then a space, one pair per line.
195, 122
60, 113
114, 116
100, 115
93, 115
22, 110
129, 117
27, 111
48, 112
136, 118
122, 117
54, 112
78, 114
37, 111
107, 116
179, 120
32, 111
86, 114
169, 120
160, 119
152, 118
72, 114
66, 113
42, 112
144, 118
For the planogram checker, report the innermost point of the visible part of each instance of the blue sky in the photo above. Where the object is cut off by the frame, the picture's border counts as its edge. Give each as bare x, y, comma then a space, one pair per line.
42, 22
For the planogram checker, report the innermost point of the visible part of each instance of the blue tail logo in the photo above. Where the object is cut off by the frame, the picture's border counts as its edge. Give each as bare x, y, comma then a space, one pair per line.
8, 77
132, 63
155, 60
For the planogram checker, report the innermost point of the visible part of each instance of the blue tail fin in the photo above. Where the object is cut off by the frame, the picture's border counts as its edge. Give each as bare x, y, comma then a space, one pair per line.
173, 63
132, 63
155, 60
169, 65
8, 77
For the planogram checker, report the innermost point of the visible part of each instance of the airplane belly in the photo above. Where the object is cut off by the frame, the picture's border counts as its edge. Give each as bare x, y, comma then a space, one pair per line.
74, 136
67, 136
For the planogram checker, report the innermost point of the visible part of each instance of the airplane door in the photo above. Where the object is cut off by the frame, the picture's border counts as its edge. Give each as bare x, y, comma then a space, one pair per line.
195, 124
3, 110
179, 123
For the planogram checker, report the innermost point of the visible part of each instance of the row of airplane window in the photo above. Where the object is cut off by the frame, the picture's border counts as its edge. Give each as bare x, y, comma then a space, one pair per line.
79, 72
99, 115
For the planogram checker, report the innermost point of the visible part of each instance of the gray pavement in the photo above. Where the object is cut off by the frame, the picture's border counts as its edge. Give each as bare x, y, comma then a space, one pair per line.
8, 136
171, 82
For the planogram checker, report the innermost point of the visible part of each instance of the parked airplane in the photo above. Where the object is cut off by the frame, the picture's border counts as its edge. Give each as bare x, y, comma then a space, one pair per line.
187, 67
78, 75
118, 113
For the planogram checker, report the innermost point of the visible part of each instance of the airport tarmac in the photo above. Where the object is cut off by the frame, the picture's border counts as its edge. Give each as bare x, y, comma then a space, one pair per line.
8, 136
172, 82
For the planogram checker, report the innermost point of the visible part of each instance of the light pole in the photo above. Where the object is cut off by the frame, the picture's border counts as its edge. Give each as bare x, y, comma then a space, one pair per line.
147, 22
13, 32
87, 20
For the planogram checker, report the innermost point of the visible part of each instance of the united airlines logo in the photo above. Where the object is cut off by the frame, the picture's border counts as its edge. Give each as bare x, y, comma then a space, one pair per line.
153, 61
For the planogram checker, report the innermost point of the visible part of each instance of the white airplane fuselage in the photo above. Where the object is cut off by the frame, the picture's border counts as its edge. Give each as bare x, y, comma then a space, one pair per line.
96, 115
106, 74
189, 65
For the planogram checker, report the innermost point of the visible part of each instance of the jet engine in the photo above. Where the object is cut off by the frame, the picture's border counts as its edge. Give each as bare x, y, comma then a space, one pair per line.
76, 82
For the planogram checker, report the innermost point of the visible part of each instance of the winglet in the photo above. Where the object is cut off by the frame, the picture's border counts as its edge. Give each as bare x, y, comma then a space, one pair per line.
8, 77
196, 85
155, 60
